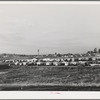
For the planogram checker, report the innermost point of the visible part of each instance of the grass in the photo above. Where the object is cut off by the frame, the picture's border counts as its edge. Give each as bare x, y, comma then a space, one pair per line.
51, 76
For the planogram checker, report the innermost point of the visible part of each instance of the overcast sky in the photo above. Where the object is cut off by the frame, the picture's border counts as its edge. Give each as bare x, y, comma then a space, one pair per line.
50, 28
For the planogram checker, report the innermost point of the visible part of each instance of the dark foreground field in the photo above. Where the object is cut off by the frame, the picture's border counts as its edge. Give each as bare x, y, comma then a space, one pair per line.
50, 78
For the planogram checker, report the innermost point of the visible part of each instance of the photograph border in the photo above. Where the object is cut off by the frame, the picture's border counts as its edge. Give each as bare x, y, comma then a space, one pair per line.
61, 95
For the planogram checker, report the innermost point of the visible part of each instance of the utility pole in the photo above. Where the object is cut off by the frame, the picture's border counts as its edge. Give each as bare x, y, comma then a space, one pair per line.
38, 53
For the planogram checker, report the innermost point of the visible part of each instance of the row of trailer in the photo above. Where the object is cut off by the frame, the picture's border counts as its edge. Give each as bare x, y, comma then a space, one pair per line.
31, 62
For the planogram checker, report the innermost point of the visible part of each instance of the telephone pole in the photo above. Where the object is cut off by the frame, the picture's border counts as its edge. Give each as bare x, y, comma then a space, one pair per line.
38, 53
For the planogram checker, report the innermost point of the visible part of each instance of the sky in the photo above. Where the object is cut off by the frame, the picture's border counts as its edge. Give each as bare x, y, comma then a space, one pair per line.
25, 28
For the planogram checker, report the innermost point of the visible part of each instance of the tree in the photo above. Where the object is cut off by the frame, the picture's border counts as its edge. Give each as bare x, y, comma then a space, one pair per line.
90, 59
99, 50
95, 50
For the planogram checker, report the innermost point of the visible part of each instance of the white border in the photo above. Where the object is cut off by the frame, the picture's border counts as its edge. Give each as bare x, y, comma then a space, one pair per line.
50, 94
53, 2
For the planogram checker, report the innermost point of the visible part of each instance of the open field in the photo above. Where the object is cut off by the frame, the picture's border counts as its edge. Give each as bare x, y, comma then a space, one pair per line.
41, 78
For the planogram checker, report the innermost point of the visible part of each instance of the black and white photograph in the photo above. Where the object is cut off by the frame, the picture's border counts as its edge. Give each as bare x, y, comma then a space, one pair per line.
49, 47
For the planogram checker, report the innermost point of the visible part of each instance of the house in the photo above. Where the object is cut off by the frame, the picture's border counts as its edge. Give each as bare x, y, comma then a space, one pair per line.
56, 63
82, 62
86, 58
80, 59
48, 63
20, 63
24, 63
65, 63
39, 63
94, 64
93, 58
46, 59
73, 63
16, 63
73, 59
68, 59
34, 59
